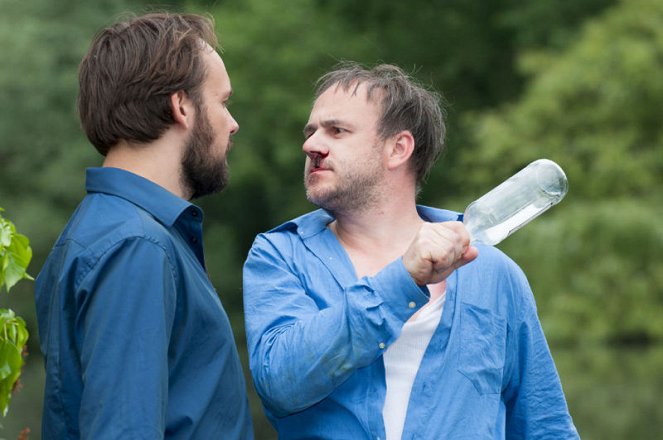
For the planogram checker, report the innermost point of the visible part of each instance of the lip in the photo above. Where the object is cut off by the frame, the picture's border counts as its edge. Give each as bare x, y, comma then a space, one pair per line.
318, 170
316, 165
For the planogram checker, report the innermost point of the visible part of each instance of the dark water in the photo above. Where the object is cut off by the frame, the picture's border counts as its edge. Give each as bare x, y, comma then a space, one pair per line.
614, 393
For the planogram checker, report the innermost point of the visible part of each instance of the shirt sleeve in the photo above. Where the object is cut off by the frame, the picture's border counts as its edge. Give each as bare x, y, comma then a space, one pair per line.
127, 307
299, 350
534, 399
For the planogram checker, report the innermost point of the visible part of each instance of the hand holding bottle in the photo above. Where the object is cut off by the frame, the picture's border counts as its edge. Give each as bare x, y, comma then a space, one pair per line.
437, 250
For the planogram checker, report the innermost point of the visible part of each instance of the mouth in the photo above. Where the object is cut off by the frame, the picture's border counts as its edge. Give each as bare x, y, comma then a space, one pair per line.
316, 165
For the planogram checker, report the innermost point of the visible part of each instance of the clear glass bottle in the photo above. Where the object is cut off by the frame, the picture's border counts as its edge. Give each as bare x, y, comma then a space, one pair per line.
515, 202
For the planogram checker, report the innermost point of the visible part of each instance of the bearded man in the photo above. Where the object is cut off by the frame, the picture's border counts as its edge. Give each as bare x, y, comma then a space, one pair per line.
135, 340
374, 317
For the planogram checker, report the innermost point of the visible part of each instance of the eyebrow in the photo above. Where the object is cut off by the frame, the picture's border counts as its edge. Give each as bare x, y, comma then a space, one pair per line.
310, 128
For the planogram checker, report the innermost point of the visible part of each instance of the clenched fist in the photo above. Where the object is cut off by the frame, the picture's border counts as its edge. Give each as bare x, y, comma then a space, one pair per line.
437, 250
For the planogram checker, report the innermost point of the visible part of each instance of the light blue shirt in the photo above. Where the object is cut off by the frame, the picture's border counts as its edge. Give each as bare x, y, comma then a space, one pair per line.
136, 343
316, 335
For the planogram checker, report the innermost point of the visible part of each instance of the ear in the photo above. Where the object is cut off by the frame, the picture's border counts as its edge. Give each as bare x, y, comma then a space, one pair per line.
182, 109
401, 147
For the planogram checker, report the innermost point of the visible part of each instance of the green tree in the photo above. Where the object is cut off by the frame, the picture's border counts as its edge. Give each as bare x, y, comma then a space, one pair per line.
595, 109
468, 49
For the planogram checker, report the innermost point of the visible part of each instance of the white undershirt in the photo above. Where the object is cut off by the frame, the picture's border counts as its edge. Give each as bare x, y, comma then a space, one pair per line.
401, 363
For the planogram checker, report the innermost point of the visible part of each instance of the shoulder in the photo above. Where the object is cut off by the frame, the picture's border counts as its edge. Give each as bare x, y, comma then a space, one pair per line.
103, 218
104, 225
496, 262
494, 281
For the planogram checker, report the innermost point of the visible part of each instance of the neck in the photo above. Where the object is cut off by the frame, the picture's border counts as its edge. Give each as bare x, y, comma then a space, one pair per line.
376, 236
157, 161
385, 229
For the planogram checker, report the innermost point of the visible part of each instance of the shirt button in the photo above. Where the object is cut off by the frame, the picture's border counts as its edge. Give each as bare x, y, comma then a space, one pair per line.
381, 345
194, 213
194, 239
412, 304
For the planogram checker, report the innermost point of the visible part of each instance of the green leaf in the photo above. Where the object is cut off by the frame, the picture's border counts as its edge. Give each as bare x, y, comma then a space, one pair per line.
15, 255
13, 337
18, 258
5, 233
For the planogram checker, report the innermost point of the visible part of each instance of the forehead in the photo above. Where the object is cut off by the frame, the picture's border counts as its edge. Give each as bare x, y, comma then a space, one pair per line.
338, 103
217, 76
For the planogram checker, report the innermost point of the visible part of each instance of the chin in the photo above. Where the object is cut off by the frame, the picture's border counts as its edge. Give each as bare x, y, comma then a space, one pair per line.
312, 194
319, 197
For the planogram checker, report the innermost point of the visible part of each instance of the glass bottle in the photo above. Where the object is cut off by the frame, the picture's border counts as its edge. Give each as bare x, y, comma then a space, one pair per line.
515, 202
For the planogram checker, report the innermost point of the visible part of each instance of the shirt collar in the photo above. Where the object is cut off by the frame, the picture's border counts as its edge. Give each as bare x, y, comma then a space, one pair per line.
315, 222
438, 215
155, 199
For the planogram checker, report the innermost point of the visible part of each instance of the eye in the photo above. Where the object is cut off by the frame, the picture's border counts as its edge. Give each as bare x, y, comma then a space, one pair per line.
337, 130
308, 132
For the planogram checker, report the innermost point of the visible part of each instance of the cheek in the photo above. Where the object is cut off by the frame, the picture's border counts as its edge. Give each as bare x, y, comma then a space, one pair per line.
218, 119
220, 128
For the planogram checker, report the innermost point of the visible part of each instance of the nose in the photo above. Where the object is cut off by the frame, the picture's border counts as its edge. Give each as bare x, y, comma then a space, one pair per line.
314, 145
234, 126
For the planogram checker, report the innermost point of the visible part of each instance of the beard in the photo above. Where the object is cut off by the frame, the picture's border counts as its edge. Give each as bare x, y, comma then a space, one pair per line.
203, 173
357, 189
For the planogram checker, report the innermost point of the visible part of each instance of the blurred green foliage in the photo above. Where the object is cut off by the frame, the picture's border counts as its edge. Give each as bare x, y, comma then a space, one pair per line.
576, 81
595, 108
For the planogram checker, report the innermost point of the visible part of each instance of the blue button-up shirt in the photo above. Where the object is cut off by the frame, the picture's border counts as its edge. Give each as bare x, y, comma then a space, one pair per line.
135, 341
316, 336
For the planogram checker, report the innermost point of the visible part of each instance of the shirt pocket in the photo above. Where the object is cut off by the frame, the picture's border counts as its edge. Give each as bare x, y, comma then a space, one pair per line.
482, 347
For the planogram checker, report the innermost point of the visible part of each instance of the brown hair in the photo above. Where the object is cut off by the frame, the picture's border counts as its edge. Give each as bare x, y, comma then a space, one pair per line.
405, 105
131, 70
